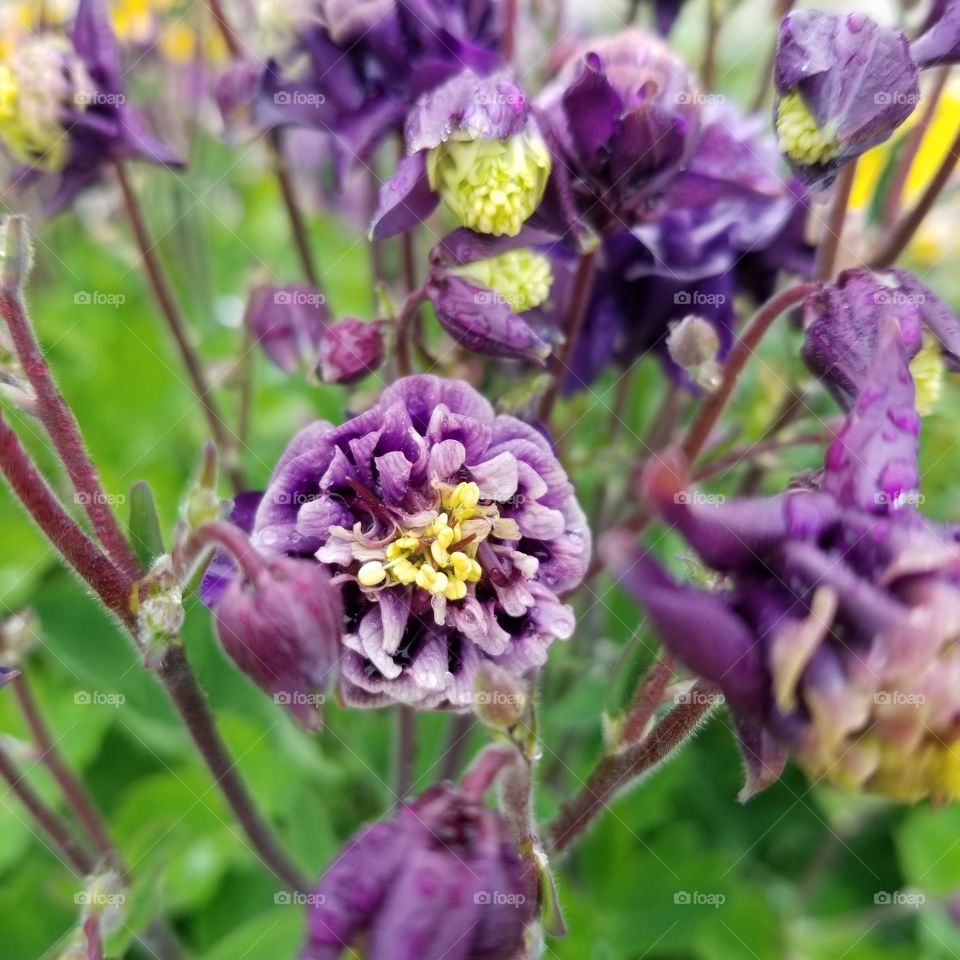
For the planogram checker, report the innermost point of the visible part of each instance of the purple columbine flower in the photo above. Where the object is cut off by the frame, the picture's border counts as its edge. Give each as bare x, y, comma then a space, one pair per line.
474, 143
626, 113
834, 634
350, 349
451, 529
355, 69
495, 296
729, 224
282, 628
64, 112
439, 880
844, 84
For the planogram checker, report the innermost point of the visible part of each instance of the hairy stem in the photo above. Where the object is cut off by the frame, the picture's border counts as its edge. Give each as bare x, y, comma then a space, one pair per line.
619, 770
826, 260
53, 411
178, 328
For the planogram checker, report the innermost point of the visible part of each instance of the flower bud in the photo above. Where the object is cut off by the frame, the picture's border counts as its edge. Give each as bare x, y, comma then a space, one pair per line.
500, 699
693, 344
289, 323
844, 84
349, 350
19, 634
440, 878
283, 630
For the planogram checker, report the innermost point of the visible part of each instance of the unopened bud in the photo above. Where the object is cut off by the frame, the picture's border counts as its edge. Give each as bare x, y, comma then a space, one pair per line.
19, 634
203, 505
350, 349
159, 605
499, 698
692, 342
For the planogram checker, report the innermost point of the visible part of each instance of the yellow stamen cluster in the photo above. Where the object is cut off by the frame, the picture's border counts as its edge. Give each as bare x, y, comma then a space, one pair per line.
798, 135
491, 186
927, 369
423, 557
522, 277
38, 83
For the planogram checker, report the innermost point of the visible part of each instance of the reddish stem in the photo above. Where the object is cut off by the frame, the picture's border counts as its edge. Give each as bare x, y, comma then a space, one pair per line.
826, 260
231, 538
298, 224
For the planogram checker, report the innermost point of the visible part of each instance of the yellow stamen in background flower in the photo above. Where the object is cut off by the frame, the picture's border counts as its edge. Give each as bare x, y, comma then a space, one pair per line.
178, 43
798, 135
491, 186
927, 369
522, 277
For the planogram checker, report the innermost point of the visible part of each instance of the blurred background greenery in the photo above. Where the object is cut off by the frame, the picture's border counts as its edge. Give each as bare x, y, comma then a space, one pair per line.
677, 870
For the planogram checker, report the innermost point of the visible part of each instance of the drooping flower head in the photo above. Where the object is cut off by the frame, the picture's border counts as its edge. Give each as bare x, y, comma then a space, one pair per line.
626, 112
474, 143
836, 636
729, 224
844, 84
63, 107
493, 296
452, 531
355, 69
439, 879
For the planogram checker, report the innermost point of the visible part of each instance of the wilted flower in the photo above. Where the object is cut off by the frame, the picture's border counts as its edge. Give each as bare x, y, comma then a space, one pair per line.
475, 143
626, 112
836, 635
355, 69
487, 293
844, 322
63, 107
451, 529
844, 84
282, 628
349, 350
439, 879
289, 323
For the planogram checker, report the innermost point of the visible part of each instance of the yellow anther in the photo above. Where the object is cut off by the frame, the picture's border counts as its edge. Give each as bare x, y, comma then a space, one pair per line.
456, 590
445, 536
462, 565
439, 552
798, 135
371, 573
404, 571
431, 580
927, 369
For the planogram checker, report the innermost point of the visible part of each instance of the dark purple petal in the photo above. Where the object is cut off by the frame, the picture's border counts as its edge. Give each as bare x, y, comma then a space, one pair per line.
406, 199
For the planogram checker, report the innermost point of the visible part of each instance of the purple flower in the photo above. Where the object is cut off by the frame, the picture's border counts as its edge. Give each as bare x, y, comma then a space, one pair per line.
349, 350
474, 143
451, 529
65, 112
844, 84
939, 42
282, 629
833, 637
844, 322
355, 69
491, 295
626, 113
439, 880
289, 322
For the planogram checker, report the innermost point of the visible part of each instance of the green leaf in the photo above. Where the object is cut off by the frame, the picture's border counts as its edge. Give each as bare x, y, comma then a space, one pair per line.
145, 532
